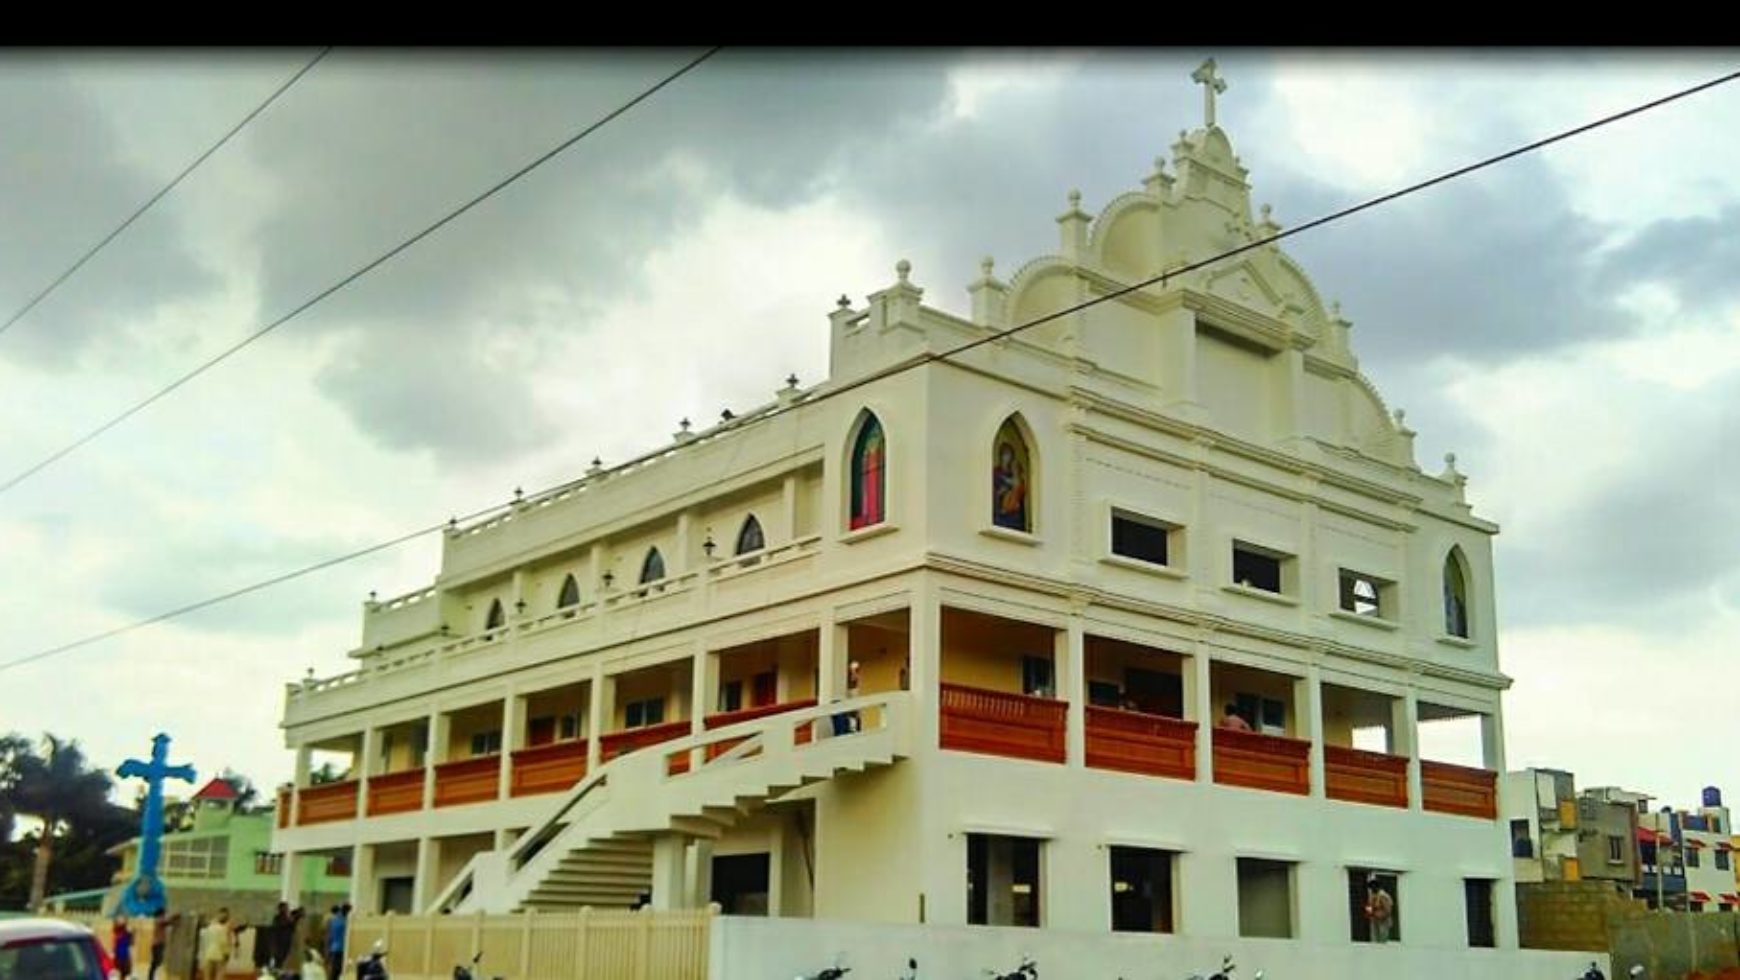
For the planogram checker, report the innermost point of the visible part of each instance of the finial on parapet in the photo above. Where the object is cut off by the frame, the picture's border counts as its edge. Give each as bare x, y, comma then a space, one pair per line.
903, 269
844, 302
683, 434
596, 468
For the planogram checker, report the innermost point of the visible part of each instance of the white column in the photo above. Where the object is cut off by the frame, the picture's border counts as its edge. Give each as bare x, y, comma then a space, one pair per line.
1409, 732
598, 709
423, 886
701, 874
439, 727
1308, 690
513, 736
789, 507
831, 653
1199, 694
362, 877
304, 761
925, 655
667, 871
686, 543
1492, 739
1070, 645
703, 686
290, 879
362, 766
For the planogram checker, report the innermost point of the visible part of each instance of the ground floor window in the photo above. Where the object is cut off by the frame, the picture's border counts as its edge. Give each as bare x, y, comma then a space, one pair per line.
396, 895
1265, 898
1142, 889
1478, 895
1375, 905
740, 883
1002, 880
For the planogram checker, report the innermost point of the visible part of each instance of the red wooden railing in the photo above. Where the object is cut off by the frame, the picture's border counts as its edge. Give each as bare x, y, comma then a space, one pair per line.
468, 781
995, 723
1365, 777
1134, 741
283, 808
723, 718
1458, 789
396, 792
1256, 761
326, 802
548, 768
613, 744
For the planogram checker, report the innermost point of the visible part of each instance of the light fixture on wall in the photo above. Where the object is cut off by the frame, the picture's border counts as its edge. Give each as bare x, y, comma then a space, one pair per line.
520, 606
708, 546
609, 577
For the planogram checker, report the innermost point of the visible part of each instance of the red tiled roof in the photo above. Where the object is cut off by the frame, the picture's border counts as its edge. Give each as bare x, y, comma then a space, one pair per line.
1648, 836
217, 789
1700, 896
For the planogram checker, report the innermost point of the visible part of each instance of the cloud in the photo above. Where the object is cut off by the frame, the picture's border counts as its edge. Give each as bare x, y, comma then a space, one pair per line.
66, 182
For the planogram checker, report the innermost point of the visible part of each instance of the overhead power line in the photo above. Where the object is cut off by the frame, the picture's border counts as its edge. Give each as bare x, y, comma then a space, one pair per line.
935, 357
190, 168
364, 270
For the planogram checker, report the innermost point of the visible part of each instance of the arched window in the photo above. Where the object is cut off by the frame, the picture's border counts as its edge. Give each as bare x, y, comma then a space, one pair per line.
1011, 479
1456, 594
496, 618
653, 568
869, 474
749, 538
570, 595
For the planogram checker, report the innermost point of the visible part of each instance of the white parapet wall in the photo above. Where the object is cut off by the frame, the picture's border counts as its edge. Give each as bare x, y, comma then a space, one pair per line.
744, 948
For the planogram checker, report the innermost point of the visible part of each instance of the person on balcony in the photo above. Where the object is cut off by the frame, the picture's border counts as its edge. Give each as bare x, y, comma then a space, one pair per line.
1232, 721
1380, 910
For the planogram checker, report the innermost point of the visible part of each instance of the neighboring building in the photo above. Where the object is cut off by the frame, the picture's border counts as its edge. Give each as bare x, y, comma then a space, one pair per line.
950, 645
1607, 836
1541, 807
1696, 851
225, 859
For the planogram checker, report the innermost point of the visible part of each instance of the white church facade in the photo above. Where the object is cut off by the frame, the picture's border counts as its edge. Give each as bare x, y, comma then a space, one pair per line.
1126, 622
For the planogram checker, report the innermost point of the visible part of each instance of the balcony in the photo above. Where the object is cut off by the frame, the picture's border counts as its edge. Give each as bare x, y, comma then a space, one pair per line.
468, 781
1255, 761
396, 792
1147, 744
1458, 789
1358, 776
716, 749
996, 723
613, 744
547, 768
327, 802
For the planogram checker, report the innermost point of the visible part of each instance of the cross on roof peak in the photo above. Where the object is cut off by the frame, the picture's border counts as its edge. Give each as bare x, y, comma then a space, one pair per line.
1207, 75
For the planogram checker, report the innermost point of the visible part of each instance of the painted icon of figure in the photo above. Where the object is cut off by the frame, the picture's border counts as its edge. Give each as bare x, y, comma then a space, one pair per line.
1009, 489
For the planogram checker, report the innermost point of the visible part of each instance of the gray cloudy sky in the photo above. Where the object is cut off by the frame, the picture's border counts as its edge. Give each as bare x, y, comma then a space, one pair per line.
1568, 324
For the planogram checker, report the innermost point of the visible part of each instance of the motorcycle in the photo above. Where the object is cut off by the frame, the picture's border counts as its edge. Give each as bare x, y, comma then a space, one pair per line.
1225, 972
374, 965
1028, 970
834, 972
464, 971
1594, 972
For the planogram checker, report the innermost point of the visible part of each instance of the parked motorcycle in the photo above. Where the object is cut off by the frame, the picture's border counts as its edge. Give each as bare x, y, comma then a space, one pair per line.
465, 971
374, 965
1225, 972
1028, 970
1594, 972
834, 972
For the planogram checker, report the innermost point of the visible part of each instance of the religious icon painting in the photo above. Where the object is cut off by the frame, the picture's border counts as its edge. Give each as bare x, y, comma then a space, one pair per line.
1011, 493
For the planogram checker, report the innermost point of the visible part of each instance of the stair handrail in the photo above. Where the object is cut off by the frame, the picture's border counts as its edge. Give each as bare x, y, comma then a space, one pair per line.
541, 833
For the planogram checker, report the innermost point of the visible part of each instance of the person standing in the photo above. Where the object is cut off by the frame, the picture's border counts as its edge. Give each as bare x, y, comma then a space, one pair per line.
335, 941
215, 945
161, 923
1380, 910
283, 927
122, 944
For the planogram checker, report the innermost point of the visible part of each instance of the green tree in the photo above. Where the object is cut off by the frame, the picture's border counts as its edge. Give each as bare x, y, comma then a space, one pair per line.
14, 748
57, 787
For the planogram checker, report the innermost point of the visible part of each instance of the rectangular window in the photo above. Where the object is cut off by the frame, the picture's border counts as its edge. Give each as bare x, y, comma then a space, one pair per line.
486, 743
764, 689
1691, 857
1265, 715
1257, 568
1365, 595
338, 866
1036, 679
643, 714
1477, 898
570, 726
1142, 889
267, 863
1141, 538
1722, 861
731, 696
1265, 898
397, 895
1002, 880
1374, 905
1521, 844
541, 731
1104, 694
1615, 849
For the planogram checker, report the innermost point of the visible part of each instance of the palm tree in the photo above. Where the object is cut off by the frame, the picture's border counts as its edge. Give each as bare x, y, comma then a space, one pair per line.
14, 748
56, 787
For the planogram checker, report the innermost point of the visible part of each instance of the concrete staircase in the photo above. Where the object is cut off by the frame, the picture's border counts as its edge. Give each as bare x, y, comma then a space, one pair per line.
600, 842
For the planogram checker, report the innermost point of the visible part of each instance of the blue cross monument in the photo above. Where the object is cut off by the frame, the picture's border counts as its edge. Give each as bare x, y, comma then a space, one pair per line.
144, 894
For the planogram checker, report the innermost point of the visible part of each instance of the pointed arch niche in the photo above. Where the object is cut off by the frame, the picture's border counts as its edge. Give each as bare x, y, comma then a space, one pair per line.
1013, 477
652, 568
867, 474
749, 537
570, 594
1456, 582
